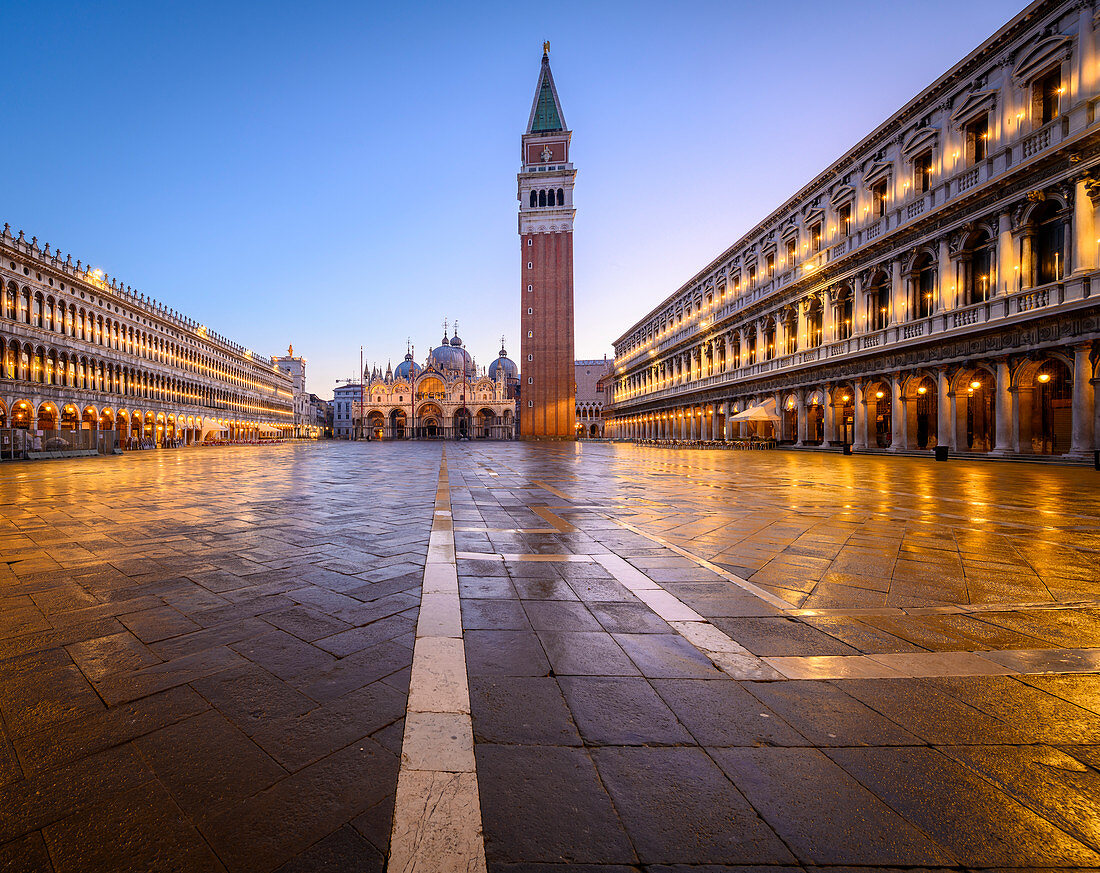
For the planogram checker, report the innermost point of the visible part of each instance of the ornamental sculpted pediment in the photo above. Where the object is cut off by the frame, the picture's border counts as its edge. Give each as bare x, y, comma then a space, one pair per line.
876, 171
842, 195
1040, 55
815, 214
919, 141
973, 104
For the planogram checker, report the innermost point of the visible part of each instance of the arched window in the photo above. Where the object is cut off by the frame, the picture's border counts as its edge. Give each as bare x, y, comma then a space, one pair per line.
769, 341
844, 315
878, 301
1050, 256
534, 198
813, 325
561, 197
978, 267
923, 281
542, 198
790, 333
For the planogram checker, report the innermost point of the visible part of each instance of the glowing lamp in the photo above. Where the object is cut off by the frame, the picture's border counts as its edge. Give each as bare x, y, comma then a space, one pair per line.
922, 390
879, 395
975, 385
1044, 377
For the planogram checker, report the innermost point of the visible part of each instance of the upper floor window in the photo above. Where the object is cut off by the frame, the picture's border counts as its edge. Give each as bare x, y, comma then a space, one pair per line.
978, 269
815, 237
878, 302
924, 280
844, 316
922, 171
814, 319
752, 276
790, 334
1046, 94
792, 247
1050, 261
844, 219
769, 264
878, 199
977, 139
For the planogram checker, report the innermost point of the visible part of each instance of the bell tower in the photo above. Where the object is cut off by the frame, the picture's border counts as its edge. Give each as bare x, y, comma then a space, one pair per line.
547, 384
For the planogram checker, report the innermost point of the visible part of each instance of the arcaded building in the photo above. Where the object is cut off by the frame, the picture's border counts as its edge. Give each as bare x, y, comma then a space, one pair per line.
83, 353
932, 287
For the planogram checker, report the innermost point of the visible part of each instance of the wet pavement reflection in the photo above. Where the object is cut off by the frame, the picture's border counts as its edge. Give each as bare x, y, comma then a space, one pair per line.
673, 658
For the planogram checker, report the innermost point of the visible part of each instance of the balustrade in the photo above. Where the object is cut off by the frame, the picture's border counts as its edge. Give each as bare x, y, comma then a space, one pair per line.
968, 179
1036, 143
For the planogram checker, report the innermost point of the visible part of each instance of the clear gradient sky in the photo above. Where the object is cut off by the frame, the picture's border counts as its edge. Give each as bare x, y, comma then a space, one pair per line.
337, 174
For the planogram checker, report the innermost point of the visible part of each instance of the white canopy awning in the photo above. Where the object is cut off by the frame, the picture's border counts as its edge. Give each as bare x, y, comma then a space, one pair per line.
213, 427
762, 412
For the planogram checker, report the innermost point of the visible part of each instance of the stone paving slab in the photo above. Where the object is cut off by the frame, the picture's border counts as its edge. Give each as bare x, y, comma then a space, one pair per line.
207, 671
671, 661
702, 771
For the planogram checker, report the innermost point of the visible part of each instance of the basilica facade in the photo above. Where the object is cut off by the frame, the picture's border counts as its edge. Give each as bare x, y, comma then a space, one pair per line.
937, 286
445, 398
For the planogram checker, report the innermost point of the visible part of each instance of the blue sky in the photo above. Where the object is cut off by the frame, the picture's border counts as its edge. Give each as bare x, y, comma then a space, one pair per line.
341, 174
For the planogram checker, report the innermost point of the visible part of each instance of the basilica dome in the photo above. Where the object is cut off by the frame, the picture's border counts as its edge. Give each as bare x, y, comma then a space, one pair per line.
450, 357
503, 367
406, 368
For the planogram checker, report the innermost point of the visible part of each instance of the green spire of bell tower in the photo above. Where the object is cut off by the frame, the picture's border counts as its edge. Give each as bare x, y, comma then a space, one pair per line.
546, 114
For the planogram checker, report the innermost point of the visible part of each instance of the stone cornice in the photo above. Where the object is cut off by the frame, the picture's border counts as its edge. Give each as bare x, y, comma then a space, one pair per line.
930, 99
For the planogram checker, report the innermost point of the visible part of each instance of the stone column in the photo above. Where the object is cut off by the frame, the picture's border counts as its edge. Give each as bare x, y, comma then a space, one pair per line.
897, 293
859, 307
691, 423
946, 297
830, 416
1006, 257
945, 413
800, 418
1084, 231
898, 433
1004, 409
726, 420
1085, 66
1084, 401
859, 440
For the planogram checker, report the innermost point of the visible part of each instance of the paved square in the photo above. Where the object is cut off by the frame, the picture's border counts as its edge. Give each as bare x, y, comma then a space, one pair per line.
671, 658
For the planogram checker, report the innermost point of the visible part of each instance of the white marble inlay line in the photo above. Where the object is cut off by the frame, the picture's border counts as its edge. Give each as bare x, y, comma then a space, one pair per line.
726, 654
437, 813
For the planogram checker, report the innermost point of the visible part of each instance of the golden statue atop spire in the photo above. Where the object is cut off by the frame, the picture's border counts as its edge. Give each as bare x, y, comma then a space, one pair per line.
290, 351
546, 47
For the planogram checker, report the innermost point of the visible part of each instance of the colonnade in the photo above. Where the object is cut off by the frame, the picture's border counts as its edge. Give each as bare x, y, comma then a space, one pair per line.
1033, 405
